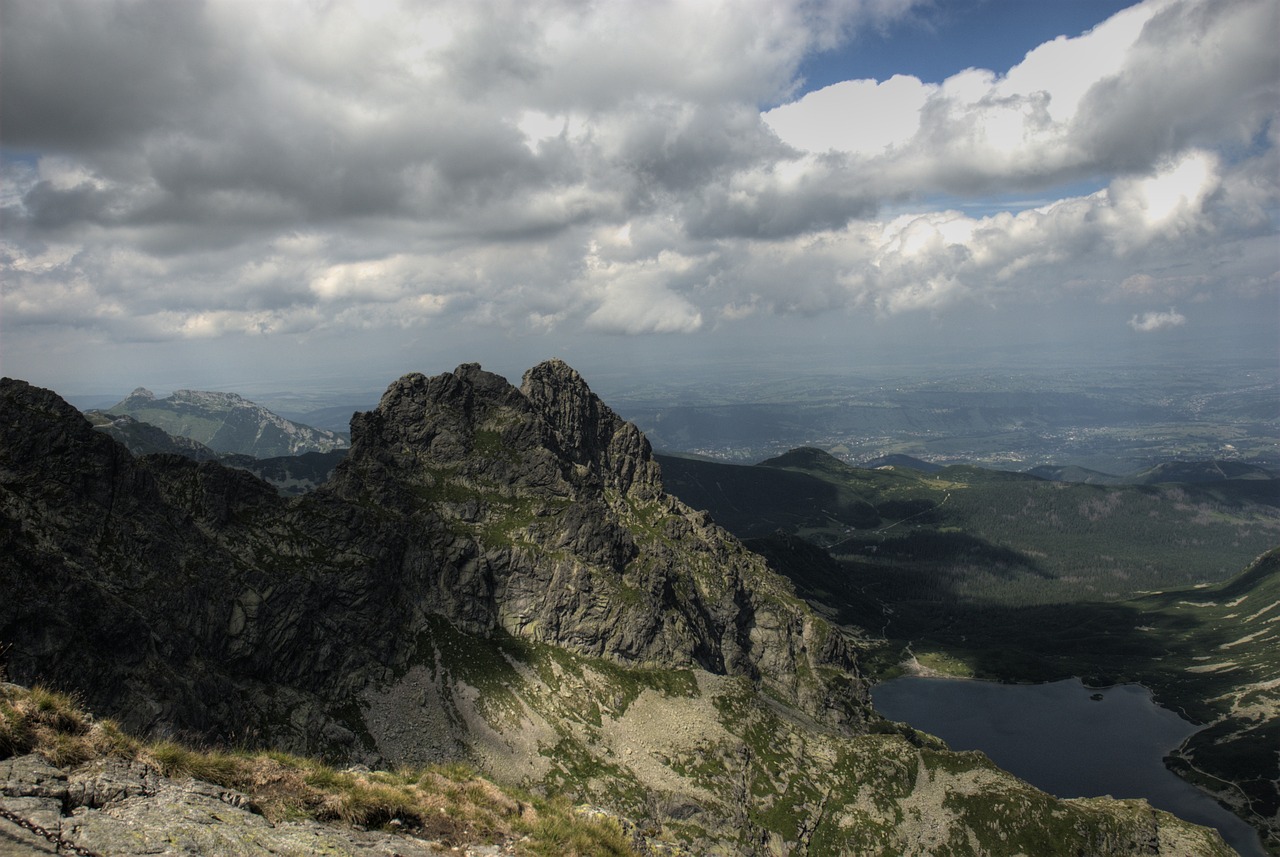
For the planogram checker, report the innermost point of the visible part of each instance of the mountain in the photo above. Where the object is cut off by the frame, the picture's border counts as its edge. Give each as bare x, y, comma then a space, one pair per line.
899, 460
972, 532
1223, 641
145, 439
226, 423
1073, 473
755, 501
1204, 471
962, 581
290, 474
496, 575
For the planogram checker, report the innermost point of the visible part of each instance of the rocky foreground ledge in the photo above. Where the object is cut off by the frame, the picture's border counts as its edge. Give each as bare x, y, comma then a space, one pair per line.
71, 784
122, 807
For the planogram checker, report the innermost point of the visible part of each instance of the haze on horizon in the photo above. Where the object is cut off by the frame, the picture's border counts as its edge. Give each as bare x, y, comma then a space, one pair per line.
209, 195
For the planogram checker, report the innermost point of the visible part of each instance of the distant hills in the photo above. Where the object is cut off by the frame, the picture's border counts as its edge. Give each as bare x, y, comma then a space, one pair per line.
1202, 471
146, 439
899, 460
222, 422
1106, 419
1013, 537
1195, 472
290, 474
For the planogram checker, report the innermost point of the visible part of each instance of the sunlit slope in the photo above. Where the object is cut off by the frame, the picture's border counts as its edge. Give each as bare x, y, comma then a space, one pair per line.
226, 423
1229, 656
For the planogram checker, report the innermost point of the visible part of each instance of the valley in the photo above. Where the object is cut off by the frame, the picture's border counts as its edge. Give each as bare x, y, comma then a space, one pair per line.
493, 576
1007, 576
1117, 420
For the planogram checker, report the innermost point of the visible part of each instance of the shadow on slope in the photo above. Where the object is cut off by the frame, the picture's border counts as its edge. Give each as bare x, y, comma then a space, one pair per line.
1207, 652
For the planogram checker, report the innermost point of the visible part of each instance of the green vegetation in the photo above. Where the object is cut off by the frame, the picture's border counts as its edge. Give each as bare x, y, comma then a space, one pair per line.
1006, 576
449, 803
1207, 651
965, 533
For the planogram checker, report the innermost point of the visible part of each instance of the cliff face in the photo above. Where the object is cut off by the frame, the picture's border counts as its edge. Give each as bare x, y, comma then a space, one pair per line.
549, 521
492, 574
182, 594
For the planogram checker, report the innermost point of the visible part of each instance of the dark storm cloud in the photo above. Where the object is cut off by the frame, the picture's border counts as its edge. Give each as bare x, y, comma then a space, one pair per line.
50, 208
80, 76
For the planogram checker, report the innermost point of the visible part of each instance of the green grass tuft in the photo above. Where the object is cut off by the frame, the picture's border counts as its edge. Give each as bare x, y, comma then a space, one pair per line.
449, 803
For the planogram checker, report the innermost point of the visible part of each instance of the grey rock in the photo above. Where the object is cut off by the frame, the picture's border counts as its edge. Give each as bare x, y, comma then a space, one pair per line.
187, 598
122, 809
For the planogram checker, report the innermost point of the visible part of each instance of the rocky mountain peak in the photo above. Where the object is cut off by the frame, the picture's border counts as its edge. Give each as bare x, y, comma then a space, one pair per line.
494, 576
552, 437
588, 432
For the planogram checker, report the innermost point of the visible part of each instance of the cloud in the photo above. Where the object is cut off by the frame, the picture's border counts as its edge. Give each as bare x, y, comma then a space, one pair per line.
181, 170
859, 116
1150, 322
638, 297
1152, 80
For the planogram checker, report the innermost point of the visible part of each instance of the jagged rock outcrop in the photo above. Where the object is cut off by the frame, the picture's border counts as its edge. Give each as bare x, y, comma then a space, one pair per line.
563, 533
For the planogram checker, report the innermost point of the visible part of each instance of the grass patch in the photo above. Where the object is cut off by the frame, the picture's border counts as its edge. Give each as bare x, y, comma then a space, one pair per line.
945, 664
449, 803
568, 833
52, 724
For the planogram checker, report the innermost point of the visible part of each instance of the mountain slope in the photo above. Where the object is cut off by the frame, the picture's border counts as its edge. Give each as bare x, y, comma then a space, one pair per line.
226, 423
1208, 650
969, 532
145, 439
494, 574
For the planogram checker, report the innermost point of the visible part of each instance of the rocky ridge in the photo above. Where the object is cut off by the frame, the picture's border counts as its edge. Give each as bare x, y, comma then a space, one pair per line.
495, 574
115, 807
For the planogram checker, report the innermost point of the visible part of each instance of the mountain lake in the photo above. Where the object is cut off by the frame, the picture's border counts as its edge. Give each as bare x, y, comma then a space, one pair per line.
1067, 739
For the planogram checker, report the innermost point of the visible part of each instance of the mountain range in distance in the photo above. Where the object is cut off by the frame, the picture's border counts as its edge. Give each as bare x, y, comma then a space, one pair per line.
1117, 421
225, 423
228, 423
499, 574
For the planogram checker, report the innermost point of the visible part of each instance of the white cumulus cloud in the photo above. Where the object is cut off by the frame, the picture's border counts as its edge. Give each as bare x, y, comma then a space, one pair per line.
1149, 322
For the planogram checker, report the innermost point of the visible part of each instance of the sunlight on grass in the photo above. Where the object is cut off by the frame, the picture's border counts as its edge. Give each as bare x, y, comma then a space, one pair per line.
450, 803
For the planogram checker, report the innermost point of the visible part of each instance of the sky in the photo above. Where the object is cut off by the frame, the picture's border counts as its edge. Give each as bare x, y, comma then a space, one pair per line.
229, 194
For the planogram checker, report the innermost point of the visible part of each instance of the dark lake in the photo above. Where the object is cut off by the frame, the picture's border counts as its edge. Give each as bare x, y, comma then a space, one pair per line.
1060, 739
